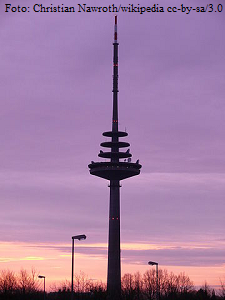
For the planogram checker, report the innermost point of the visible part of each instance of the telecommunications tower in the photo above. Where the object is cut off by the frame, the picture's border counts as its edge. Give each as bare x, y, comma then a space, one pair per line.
114, 170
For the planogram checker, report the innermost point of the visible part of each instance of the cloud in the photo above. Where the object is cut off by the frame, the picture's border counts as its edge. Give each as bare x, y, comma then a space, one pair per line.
173, 254
170, 206
178, 257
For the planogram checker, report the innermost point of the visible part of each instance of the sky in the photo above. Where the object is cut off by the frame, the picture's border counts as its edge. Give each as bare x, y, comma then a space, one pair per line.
56, 100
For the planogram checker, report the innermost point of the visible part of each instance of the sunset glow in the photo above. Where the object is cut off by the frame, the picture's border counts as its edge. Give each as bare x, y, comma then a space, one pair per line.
55, 263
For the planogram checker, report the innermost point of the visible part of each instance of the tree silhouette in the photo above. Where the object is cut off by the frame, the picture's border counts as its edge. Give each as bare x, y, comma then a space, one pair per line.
8, 283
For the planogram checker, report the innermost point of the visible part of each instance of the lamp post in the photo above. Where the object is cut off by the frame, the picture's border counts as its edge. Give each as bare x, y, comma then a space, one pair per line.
41, 276
152, 263
75, 237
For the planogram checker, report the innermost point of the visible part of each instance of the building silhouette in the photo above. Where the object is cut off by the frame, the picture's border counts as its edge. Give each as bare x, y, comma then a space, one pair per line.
114, 170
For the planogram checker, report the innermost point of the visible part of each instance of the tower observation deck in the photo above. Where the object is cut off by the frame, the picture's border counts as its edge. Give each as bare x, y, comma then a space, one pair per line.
114, 170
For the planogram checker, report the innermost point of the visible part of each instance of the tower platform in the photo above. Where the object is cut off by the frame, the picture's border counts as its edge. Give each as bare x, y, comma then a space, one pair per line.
114, 170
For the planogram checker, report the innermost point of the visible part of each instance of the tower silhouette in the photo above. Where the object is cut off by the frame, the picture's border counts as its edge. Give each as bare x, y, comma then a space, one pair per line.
114, 170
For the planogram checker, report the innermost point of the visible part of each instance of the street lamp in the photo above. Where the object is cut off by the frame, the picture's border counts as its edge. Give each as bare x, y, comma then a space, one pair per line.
75, 237
41, 276
152, 263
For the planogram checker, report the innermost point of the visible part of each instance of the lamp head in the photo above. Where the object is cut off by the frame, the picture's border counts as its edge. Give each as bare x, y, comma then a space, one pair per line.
41, 276
79, 237
152, 263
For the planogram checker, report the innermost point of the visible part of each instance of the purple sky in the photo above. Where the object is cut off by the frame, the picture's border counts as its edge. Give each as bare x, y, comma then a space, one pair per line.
56, 100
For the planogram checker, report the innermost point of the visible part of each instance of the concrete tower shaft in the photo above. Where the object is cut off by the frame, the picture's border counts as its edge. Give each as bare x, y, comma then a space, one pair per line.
114, 261
114, 170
